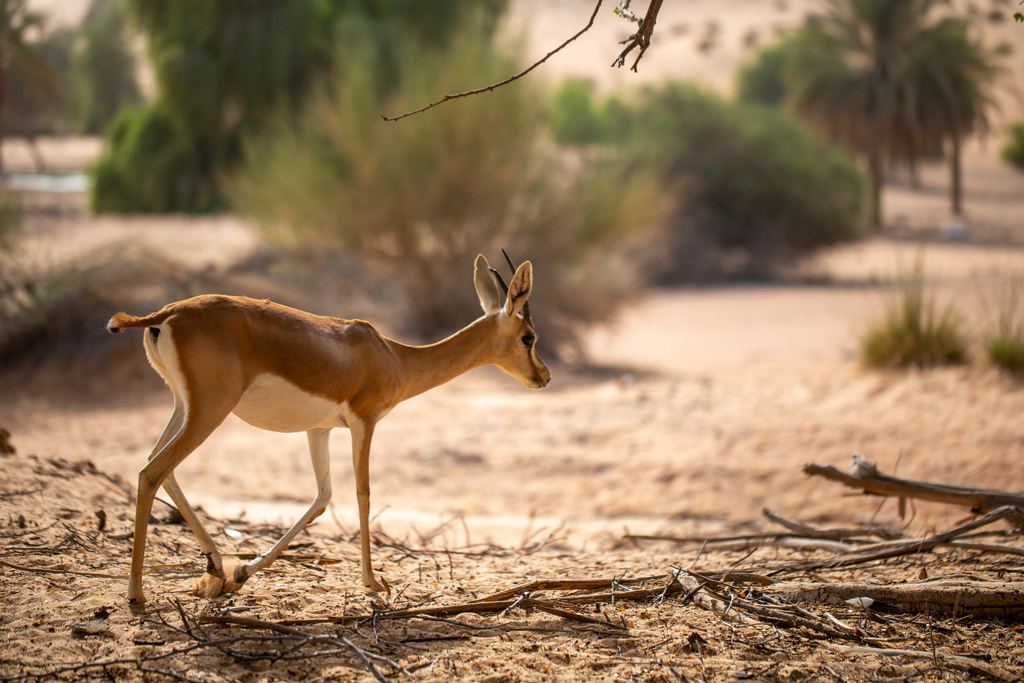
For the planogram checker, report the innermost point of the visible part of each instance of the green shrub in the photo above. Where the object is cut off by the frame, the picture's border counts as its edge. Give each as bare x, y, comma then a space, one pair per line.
577, 118
758, 191
425, 194
1013, 150
761, 80
913, 330
1003, 340
150, 167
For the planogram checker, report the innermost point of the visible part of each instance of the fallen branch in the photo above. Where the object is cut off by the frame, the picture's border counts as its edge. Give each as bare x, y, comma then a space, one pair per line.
814, 532
749, 541
337, 640
961, 661
59, 570
864, 475
979, 598
520, 596
562, 584
895, 548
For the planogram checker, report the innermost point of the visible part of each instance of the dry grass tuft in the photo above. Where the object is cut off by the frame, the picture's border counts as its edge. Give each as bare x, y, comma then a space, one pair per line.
914, 331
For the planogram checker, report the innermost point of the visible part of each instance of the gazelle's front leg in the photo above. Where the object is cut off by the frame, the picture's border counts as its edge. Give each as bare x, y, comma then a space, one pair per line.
318, 450
362, 433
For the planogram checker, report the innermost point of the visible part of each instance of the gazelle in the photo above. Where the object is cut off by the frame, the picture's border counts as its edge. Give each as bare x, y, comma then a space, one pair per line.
286, 370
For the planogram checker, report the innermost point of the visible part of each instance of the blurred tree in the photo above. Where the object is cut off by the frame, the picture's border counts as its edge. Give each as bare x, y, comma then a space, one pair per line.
224, 68
888, 82
220, 69
28, 81
103, 69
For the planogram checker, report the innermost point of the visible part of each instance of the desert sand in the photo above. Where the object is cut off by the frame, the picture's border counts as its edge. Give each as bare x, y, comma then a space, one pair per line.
694, 411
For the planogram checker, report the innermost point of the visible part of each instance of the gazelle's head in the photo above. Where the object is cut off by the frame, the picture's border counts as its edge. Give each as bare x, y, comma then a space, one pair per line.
515, 339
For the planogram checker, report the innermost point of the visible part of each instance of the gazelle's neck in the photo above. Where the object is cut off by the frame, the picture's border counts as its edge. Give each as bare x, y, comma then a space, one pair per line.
425, 367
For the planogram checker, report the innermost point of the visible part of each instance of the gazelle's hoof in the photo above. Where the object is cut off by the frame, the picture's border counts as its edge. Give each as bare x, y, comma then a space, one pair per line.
211, 584
374, 586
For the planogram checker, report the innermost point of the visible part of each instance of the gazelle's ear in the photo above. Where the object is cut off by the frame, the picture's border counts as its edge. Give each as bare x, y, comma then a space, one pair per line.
486, 287
519, 289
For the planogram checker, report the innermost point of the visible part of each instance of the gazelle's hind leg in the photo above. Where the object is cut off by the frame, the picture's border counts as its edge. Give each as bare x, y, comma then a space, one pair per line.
318, 450
174, 490
178, 442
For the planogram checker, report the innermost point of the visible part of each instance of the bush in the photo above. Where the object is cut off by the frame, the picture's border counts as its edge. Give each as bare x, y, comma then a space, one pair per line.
758, 191
576, 118
149, 167
1003, 339
1013, 150
52, 316
913, 331
426, 194
761, 80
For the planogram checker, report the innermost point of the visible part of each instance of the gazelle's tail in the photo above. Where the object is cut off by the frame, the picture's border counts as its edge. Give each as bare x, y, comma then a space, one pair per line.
122, 320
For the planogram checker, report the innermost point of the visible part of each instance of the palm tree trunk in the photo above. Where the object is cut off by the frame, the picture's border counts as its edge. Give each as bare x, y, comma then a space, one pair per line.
955, 184
3, 107
875, 172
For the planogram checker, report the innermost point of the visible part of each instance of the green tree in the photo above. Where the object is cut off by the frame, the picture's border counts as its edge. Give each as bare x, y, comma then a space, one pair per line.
223, 69
28, 82
103, 69
891, 83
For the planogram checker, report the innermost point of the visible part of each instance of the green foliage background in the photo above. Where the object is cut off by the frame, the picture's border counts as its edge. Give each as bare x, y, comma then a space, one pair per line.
224, 69
754, 189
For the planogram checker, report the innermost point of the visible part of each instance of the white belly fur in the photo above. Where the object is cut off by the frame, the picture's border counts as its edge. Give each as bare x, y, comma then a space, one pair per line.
277, 405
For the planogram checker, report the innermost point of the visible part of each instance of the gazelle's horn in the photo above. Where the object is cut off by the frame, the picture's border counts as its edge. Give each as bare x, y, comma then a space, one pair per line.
526, 306
504, 287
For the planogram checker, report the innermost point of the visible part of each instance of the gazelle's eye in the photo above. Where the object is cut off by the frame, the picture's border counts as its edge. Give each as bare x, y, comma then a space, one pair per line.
528, 340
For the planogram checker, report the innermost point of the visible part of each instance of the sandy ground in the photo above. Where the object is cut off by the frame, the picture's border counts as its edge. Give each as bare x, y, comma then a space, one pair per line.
698, 408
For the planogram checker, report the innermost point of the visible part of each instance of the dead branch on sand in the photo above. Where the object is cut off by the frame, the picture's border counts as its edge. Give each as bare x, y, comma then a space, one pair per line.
864, 475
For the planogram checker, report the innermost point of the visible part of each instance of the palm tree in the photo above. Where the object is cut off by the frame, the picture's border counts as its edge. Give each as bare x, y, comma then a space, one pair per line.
26, 78
885, 81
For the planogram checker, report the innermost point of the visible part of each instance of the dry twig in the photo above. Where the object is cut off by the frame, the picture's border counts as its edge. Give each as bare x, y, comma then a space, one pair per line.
642, 38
